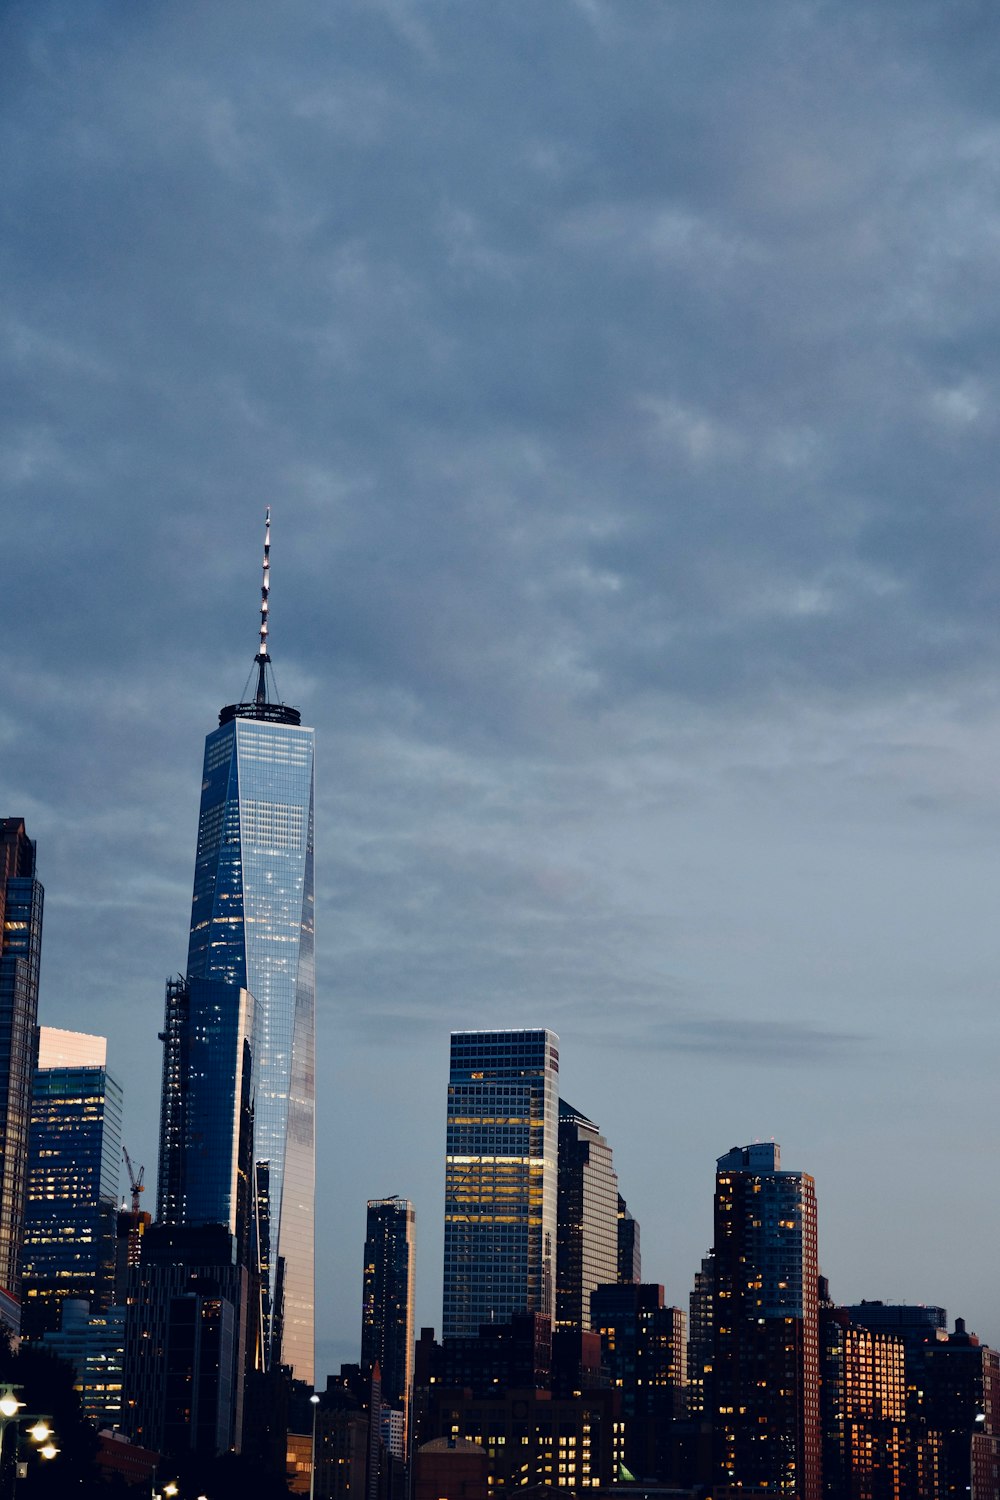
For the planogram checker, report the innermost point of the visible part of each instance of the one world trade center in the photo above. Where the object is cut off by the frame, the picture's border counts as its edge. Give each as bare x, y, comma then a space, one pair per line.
252, 926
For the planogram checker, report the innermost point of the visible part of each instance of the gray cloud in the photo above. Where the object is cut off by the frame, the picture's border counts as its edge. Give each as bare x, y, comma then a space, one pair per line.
624, 380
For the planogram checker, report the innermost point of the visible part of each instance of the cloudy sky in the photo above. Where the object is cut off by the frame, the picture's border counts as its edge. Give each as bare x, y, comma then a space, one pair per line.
624, 380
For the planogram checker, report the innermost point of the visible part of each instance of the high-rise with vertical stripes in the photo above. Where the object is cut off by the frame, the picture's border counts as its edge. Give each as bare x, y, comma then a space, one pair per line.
252, 927
500, 1177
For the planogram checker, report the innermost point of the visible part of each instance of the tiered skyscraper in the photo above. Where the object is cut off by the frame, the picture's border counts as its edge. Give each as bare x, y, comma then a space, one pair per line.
500, 1177
21, 899
252, 927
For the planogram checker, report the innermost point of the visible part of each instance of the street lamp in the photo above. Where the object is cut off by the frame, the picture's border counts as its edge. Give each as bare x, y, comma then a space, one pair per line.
12, 1413
314, 1400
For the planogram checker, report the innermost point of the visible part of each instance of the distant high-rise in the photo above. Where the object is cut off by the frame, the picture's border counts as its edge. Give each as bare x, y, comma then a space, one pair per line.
21, 899
252, 927
587, 1217
701, 1339
629, 1254
765, 1308
388, 1300
500, 1177
74, 1152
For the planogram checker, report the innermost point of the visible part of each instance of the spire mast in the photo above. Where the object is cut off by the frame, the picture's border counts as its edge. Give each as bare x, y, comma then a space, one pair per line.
262, 659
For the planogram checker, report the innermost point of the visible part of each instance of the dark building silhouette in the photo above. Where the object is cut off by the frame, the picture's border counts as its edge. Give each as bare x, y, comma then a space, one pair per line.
587, 1217
74, 1151
961, 1384
766, 1416
186, 1356
644, 1352
629, 1255
388, 1301
21, 902
701, 1339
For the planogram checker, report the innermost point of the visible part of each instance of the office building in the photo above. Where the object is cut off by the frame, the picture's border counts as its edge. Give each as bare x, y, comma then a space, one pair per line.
586, 1218
701, 1339
500, 1177
863, 1410
629, 1254
205, 1173
766, 1326
93, 1343
186, 1355
645, 1354
71, 1201
961, 1402
21, 899
388, 1301
252, 927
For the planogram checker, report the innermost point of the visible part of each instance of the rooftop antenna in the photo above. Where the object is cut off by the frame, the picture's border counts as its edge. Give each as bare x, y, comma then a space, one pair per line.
262, 659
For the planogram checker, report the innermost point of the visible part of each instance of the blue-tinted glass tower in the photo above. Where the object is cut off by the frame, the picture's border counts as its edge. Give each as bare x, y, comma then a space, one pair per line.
252, 928
74, 1156
500, 1221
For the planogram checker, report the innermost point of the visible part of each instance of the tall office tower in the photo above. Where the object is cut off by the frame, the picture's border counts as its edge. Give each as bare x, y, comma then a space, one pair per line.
252, 927
766, 1317
71, 1202
587, 1217
701, 1339
388, 1300
205, 1173
500, 1177
629, 1255
21, 899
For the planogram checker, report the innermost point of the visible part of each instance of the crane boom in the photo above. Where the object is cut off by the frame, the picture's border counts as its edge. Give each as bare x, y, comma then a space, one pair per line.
135, 1228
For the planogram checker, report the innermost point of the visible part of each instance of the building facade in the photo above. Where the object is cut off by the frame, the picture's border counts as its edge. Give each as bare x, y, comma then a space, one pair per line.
629, 1253
71, 1201
765, 1307
586, 1219
252, 927
21, 900
500, 1177
388, 1300
205, 1173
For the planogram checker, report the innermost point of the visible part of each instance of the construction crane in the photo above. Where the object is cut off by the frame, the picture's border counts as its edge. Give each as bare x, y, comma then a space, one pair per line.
135, 1228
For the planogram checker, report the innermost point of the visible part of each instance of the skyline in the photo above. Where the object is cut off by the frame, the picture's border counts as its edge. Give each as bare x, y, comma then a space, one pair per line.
624, 384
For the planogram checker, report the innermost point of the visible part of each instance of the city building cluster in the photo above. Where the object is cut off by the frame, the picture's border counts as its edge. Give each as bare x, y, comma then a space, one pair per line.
189, 1332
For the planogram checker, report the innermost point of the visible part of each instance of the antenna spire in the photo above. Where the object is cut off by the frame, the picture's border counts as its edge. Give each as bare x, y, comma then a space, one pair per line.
262, 659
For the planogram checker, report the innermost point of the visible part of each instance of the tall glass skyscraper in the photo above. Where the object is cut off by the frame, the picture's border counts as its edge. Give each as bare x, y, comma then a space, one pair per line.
252, 927
500, 1177
21, 899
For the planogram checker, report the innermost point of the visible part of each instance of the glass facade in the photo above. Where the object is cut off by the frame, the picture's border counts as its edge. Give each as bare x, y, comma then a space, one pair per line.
500, 1177
252, 927
21, 899
74, 1156
206, 1113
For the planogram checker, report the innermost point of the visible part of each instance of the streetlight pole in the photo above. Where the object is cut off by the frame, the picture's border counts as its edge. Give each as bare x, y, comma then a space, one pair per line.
314, 1399
12, 1414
